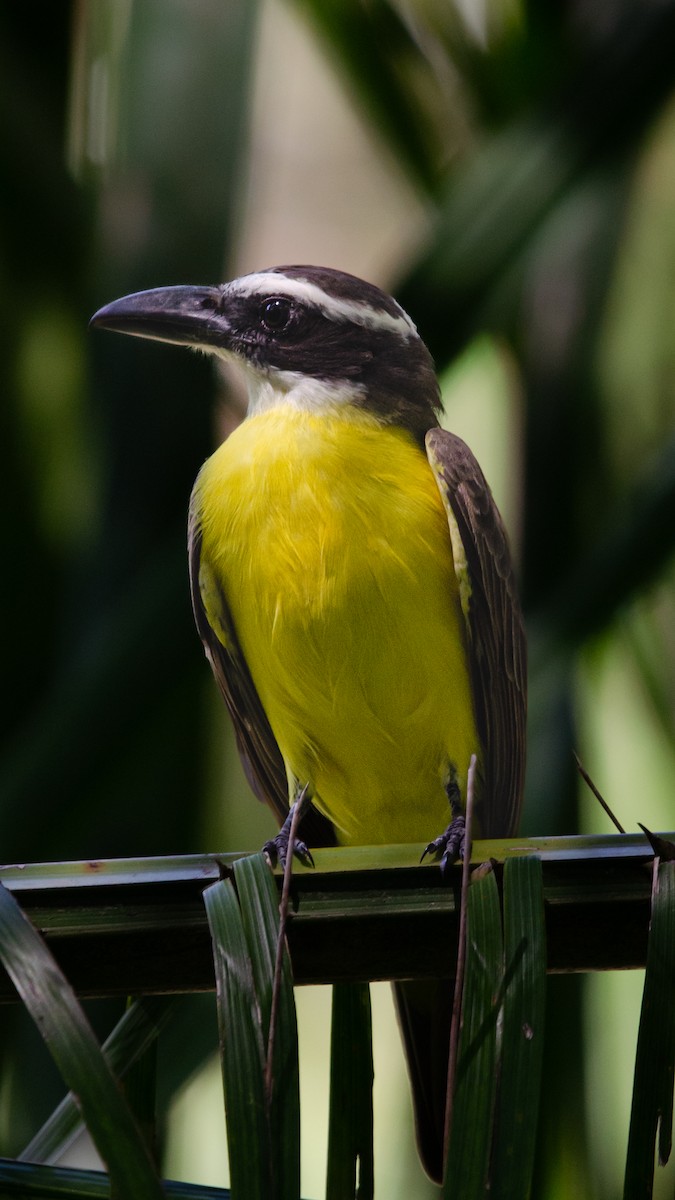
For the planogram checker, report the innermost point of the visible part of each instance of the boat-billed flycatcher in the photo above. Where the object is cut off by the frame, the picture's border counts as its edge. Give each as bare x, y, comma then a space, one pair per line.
351, 580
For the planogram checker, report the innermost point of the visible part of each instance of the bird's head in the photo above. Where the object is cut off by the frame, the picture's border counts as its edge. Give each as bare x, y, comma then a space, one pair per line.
317, 336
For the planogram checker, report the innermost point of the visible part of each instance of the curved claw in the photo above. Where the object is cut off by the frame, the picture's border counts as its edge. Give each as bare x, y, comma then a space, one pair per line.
451, 843
276, 850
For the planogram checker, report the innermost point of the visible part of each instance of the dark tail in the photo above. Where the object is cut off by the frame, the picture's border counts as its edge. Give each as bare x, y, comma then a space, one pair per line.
424, 1009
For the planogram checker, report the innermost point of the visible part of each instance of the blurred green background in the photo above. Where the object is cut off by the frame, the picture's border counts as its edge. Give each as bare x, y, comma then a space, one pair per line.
508, 169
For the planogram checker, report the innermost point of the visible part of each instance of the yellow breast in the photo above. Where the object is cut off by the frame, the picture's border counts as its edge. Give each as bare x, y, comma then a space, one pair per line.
328, 538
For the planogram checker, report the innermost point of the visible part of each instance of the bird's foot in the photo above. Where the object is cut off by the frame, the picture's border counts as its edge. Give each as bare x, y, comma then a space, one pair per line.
451, 843
276, 848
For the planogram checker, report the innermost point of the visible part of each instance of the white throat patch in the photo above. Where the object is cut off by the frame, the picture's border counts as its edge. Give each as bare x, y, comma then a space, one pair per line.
271, 388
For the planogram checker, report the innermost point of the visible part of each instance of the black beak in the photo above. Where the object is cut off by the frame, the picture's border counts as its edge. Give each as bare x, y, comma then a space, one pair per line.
185, 316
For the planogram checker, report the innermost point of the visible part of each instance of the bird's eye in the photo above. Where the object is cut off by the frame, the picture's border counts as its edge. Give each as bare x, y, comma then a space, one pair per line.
276, 314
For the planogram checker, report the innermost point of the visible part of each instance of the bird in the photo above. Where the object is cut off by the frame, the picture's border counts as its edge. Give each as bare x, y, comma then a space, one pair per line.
353, 588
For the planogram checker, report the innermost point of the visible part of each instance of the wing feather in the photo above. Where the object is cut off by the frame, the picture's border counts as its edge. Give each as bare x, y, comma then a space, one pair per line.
258, 750
496, 635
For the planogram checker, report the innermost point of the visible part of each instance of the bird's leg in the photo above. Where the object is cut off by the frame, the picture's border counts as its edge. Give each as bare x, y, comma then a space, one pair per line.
276, 848
452, 841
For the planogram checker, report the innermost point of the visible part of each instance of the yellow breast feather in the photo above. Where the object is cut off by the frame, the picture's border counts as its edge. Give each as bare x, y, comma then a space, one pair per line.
327, 537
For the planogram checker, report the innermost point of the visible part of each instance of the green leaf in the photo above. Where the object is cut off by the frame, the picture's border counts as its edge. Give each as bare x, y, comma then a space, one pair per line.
350, 1128
242, 1048
139, 1087
134, 1033
65, 1029
468, 1156
30, 1180
523, 1029
637, 529
259, 899
652, 1107
381, 57
263, 1129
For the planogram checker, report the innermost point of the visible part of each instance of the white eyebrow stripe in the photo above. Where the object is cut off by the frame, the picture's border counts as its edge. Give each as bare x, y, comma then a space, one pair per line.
267, 283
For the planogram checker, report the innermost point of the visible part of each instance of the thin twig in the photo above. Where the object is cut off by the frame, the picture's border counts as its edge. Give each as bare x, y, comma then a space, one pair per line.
298, 813
601, 800
461, 958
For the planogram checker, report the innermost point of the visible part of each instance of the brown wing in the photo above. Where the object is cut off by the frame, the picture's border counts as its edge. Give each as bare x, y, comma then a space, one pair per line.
497, 656
496, 636
258, 750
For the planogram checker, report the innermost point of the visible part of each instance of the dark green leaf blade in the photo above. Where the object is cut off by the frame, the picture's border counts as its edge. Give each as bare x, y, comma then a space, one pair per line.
523, 1028
134, 1032
65, 1029
242, 1048
33, 1180
259, 899
468, 1157
350, 1127
139, 1087
655, 1058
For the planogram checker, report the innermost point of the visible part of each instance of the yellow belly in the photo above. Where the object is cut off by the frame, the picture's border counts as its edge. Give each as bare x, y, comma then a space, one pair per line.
331, 545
